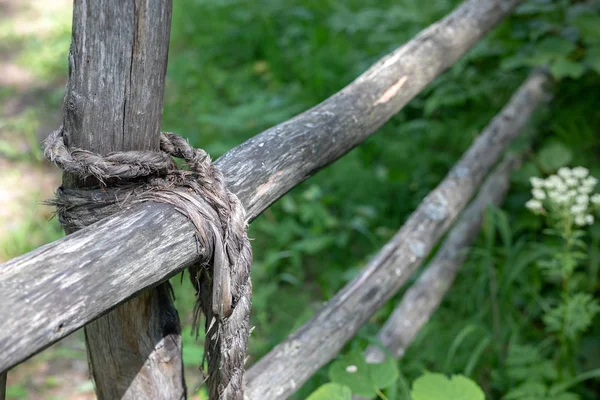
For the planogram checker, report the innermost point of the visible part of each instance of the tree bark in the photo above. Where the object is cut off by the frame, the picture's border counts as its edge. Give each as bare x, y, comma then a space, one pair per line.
121, 256
285, 368
114, 101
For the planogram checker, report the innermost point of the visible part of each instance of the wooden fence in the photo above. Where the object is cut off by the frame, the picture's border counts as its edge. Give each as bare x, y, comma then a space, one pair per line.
102, 276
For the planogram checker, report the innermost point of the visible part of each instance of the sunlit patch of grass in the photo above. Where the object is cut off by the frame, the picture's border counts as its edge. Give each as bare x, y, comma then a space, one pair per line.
20, 141
27, 235
45, 374
39, 34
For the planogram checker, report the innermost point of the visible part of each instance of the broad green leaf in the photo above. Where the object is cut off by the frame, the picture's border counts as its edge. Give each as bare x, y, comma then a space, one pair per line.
553, 156
383, 374
438, 387
351, 370
565, 68
362, 378
549, 49
589, 27
391, 392
331, 391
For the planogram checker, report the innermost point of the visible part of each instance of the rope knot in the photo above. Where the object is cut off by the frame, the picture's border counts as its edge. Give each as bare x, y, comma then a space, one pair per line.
221, 274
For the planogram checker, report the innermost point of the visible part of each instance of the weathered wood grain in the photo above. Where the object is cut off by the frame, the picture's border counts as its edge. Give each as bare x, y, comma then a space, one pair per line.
285, 368
424, 296
64, 285
117, 67
114, 101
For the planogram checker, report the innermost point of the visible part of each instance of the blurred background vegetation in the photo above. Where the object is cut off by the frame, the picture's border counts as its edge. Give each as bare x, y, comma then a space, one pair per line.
237, 67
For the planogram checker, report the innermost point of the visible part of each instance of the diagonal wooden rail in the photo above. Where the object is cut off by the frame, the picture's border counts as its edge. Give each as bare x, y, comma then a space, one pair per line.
424, 296
62, 286
285, 368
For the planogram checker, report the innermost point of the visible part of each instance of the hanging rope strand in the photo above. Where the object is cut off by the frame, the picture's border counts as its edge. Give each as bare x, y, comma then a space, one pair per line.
221, 274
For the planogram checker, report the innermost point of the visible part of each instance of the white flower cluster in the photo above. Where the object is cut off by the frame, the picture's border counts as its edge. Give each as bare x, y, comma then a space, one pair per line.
569, 190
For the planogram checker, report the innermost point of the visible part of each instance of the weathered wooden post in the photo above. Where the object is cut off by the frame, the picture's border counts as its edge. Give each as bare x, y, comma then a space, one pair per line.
3, 385
114, 101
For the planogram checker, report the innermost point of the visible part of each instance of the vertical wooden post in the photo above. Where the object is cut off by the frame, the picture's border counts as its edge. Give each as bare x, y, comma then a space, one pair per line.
114, 101
3, 385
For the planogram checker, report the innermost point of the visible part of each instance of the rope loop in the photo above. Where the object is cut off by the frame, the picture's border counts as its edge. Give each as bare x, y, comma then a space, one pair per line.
221, 274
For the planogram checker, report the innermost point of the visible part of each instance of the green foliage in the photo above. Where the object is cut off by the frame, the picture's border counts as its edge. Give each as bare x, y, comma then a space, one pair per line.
532, 390
363, 379
587, 23
236, 68
573, 317
526, 365
16, 392
30, 233
331, 391
439, 387
565, 68
563, 38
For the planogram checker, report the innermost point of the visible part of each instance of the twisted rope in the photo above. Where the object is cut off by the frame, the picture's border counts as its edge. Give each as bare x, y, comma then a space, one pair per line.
221, 274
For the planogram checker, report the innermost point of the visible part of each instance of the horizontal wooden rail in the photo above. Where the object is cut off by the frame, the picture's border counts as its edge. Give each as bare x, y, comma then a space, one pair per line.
58, 288
285, 368
424, 296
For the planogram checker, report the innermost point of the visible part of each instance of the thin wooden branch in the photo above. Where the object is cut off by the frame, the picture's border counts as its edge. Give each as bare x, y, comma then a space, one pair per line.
285, 368
425, 295
113, 102
64, 285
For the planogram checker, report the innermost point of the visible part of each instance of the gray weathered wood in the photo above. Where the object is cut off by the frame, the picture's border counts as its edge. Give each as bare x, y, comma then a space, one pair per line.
64, 285
114, 101
424, 296
117, 67
285, 368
